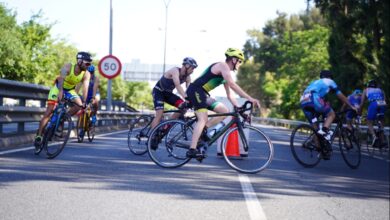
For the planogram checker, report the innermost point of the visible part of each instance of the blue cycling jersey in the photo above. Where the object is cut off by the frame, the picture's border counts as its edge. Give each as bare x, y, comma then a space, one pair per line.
355, 100
322, 87
374, 94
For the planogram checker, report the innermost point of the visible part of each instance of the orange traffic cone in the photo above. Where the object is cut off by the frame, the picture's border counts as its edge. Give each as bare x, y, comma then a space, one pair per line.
232, 144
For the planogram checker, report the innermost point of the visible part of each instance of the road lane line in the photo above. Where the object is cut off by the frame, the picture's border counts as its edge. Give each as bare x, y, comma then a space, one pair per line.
253, 204
31, 148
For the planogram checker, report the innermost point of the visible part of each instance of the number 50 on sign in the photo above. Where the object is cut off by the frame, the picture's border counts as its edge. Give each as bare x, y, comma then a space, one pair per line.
110, 66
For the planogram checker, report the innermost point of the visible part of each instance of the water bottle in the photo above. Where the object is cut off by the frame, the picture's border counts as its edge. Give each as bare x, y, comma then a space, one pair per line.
216, 129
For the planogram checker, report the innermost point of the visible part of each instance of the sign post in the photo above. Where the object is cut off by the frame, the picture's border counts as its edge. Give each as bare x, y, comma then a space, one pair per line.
109, 67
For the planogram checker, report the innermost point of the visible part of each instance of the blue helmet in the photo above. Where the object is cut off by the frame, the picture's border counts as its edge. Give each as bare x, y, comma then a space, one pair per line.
357, 92
91, 69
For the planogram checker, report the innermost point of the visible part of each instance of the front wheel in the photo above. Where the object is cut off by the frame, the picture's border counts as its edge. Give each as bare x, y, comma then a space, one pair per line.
54, 139
137, 137
90, 130
169, 142
249, 152
350, 148
305, 146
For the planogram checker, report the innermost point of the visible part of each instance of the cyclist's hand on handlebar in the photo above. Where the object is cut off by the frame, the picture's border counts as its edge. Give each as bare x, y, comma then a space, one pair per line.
84, 105
255, 101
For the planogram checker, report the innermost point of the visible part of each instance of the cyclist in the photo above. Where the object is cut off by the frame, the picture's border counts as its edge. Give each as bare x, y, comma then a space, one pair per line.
71, 75
93, 92
355, 99
163, 90
198, 94
312, 102
376, 107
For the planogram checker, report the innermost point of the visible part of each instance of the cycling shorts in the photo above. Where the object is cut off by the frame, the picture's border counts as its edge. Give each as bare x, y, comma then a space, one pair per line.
374, 108
312, 101
52, 98
200, 99
89, 97
160, 96
350, 115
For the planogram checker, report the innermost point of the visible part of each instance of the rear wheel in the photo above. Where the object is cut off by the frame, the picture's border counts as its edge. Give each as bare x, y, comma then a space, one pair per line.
138, 135
55, 140
305, 145
350, 148
249, 152
169, 142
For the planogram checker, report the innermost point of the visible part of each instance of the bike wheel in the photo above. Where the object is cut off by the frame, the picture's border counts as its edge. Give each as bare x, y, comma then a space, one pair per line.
251, 152
305, 146
169, 142
90, 129
55, 141
137, 137
80, 128
370, 148
350, 148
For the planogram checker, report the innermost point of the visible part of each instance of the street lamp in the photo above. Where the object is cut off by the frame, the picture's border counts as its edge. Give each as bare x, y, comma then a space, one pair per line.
165, 39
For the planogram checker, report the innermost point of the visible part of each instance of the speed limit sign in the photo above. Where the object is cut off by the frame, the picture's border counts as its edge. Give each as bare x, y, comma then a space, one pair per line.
110, 66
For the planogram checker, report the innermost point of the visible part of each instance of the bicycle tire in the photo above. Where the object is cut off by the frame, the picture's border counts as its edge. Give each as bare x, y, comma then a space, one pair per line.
305, 142
350, 148
54, 144
80, 128
137, 143
168, 149
91, 131
370, 149
256, 158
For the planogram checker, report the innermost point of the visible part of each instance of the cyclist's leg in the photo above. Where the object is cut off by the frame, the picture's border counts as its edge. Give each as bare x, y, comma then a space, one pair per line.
51, 103
217, 107
158, 101
174, 100
197, 96
371, 117
72, 95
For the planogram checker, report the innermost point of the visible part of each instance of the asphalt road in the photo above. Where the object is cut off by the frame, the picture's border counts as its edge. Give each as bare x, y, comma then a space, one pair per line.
103, 180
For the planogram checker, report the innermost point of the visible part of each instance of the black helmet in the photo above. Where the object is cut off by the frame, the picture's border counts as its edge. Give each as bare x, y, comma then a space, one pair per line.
326, 74
190, 61
84, 56
372, 83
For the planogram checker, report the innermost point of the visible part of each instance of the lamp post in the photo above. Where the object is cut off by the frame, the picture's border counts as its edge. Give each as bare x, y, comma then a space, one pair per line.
165, 39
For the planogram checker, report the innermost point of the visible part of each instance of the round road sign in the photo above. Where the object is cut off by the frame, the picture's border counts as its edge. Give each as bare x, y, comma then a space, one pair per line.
110, 66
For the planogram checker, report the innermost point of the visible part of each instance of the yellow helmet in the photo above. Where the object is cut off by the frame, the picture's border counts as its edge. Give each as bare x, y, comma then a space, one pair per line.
233, 52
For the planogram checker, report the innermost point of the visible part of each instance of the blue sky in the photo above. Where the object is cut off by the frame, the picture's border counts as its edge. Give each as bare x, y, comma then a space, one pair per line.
203, 29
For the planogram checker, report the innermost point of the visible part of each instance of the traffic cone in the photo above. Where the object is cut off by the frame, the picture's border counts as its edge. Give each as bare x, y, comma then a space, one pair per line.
232, 144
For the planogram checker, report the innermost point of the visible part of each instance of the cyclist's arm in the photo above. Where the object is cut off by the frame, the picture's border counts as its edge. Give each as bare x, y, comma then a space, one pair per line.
64, 72
362, 101
230, 96
176, 81
188, 81
225, 71
85, 81
345, 100
95, 86
78, 86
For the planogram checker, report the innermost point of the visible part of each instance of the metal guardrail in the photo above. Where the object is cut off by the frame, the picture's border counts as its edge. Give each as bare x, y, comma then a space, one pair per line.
24, 117
292, 123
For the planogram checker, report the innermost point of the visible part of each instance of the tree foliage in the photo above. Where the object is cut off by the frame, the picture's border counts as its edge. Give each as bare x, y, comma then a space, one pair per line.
28, 53
351, 38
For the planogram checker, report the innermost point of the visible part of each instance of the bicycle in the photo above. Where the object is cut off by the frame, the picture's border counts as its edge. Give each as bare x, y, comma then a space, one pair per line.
380, 144
308, 147
57, 132
85, 125
139, 131
170, 140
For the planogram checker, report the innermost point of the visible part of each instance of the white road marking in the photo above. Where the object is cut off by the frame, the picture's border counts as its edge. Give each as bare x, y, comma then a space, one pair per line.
253, 204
